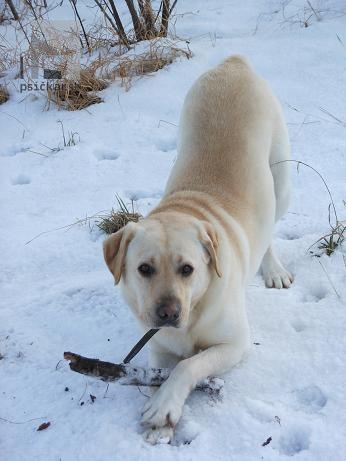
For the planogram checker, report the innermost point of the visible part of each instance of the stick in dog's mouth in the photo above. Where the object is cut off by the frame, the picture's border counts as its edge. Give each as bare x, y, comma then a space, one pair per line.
139, 346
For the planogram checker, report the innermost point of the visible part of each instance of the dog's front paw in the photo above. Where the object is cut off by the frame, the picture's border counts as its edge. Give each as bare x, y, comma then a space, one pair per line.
159, 435
164, 408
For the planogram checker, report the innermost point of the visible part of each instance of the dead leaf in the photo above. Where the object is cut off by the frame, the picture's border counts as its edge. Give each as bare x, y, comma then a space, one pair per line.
43, 426
267, 442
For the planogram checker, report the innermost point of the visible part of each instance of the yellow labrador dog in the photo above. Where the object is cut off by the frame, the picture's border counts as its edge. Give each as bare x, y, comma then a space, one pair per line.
185, 267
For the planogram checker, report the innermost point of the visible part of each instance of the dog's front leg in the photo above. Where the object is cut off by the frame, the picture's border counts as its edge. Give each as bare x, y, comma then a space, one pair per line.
163, 410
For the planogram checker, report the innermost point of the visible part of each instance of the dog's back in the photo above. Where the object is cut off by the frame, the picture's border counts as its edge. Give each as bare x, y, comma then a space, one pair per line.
226, 129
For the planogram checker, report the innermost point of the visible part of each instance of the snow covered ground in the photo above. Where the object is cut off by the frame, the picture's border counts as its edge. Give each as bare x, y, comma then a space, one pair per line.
57, 294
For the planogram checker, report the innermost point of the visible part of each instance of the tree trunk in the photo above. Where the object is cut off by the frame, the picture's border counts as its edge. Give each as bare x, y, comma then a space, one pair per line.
135, 20
164, 18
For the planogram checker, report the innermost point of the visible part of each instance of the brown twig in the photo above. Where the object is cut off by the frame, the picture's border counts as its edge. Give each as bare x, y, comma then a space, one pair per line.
74, 6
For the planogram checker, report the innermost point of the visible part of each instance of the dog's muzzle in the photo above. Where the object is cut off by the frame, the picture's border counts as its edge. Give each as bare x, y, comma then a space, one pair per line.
168, 312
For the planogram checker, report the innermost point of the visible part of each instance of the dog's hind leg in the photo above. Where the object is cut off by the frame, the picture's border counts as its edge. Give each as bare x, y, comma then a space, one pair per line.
274, 274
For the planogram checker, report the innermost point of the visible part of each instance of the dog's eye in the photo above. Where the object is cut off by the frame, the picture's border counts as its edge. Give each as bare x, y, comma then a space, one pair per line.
186, 270
146, 270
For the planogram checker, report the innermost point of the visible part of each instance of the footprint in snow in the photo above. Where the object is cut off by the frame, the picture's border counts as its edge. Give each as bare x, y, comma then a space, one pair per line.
311, 398
294, 440
105, 154
166, 144
316, 294
21, 179
289, 236
298, 325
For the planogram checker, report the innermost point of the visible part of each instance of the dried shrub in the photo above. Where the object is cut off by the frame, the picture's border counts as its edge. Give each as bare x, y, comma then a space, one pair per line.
4, 94
9, 56
159, 54
79, 94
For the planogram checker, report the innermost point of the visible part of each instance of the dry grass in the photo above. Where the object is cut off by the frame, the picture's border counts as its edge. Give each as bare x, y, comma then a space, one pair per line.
77, 95
90, 82
156, 58
9, 55
115, 220
159, 53
4, 94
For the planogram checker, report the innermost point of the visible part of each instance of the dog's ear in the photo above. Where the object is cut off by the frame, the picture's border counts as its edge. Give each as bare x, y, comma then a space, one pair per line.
115, 249
209, 240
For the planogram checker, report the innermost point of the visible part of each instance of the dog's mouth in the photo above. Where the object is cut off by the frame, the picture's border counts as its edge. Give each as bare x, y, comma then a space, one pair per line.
168, 324
151, 321
176, 319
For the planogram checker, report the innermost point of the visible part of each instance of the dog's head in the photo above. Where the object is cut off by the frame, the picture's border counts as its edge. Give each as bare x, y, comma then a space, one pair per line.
165, 265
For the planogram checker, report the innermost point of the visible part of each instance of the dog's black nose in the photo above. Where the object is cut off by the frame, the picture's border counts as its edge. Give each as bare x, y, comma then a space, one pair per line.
168, 311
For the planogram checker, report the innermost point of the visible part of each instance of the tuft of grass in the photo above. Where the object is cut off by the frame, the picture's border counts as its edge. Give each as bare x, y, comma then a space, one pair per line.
116, 219
72, 137
77, 95
332, 240
4, 94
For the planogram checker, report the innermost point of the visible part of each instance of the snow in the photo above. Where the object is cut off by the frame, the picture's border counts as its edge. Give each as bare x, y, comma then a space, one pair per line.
57, 294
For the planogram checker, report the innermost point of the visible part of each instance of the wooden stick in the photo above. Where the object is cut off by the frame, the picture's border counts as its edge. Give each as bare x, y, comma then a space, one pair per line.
141, 343
129, 375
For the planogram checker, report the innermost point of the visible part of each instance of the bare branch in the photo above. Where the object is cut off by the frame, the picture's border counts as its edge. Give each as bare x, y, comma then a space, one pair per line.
74, 6
13, 9
172, 7
16, 17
